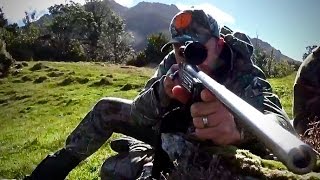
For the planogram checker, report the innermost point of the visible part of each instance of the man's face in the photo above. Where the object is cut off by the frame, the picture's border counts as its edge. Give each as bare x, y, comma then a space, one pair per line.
213, 50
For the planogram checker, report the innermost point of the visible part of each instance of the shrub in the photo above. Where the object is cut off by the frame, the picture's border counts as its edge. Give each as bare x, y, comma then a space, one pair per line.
139, 61
75, 51
153, 51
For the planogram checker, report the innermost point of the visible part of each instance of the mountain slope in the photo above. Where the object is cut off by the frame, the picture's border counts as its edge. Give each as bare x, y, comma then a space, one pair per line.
258, 43
146, 18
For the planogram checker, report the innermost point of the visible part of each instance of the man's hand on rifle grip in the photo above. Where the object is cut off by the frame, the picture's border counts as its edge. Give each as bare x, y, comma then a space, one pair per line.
221, 128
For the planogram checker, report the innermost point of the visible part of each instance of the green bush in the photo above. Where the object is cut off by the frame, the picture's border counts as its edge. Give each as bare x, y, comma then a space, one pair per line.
21, 46
273, 68
153, 51
76, 51
138, 61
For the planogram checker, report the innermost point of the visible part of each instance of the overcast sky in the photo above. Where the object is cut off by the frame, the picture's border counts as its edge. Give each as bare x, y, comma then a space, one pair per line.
288, 25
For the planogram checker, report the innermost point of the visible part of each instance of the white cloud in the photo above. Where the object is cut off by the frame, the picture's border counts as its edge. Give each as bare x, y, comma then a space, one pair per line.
14, 9
222, 17
126, 3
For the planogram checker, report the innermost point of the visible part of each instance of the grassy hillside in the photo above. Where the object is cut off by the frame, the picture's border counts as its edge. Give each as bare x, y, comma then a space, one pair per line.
283, 87
39, 108
42, 103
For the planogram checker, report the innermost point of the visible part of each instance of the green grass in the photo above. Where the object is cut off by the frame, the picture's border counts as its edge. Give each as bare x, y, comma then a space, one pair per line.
283, 88
39, 108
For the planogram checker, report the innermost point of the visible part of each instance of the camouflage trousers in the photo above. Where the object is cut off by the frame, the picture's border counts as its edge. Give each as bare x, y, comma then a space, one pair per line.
107, 116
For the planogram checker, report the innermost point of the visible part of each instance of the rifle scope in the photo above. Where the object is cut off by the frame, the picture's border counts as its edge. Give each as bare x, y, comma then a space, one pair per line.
194, 52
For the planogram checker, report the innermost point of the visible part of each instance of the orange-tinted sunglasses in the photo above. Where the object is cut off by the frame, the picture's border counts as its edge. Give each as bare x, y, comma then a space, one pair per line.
183, 20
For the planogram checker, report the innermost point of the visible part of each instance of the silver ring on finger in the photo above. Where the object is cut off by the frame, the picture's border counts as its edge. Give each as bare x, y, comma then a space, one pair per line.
205, 121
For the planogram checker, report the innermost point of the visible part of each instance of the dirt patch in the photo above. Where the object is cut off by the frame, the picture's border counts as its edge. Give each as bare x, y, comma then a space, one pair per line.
82, 80
19, 97
26, 78
55, 74
51, 69
102, 82
40, 79
42, 102
66, 81
128, 87
71, 73
3, 101
38, 66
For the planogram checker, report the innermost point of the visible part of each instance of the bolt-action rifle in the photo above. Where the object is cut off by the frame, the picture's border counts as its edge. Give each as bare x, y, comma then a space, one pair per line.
288, 148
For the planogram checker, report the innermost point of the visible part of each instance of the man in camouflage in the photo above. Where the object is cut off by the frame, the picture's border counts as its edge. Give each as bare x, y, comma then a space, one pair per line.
228, 62
306, 102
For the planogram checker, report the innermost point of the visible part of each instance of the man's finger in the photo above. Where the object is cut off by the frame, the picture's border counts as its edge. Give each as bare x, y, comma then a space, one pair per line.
181, 94
199, 124
201, 109
206, 96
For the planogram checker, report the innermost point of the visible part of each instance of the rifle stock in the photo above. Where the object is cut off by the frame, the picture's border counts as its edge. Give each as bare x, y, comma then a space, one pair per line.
288, 148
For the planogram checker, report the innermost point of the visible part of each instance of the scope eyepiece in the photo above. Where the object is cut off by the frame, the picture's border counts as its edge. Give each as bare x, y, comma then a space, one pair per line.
194, 52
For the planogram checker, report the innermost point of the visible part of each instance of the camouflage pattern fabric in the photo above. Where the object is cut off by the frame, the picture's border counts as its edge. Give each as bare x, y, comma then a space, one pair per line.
192, 25
306, 100
107, 116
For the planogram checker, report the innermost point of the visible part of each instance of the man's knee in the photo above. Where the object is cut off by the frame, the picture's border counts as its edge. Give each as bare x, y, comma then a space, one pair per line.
112, 105
112, 101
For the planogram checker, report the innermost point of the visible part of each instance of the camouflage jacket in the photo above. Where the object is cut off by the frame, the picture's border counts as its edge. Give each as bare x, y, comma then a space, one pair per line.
244, 79
306, 100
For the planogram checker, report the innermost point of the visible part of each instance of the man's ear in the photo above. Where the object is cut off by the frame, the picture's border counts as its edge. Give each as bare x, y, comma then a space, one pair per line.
221, 42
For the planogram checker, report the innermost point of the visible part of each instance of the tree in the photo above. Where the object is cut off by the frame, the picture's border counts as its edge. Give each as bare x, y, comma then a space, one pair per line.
6, 60
20, 40
115, 41
270, 66
154, 45
69, 24
101, 14
259, 57
107, 39
3, 20
29, 18
309, 51
92, 30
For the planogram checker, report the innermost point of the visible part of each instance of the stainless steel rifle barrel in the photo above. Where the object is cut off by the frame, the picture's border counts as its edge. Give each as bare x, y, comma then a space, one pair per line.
294, 153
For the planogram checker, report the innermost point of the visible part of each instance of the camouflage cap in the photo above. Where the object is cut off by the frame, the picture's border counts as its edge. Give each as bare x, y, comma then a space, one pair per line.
192, 25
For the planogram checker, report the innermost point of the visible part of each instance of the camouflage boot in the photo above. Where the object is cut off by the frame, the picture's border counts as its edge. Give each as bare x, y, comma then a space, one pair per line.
55, 167
128, 164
